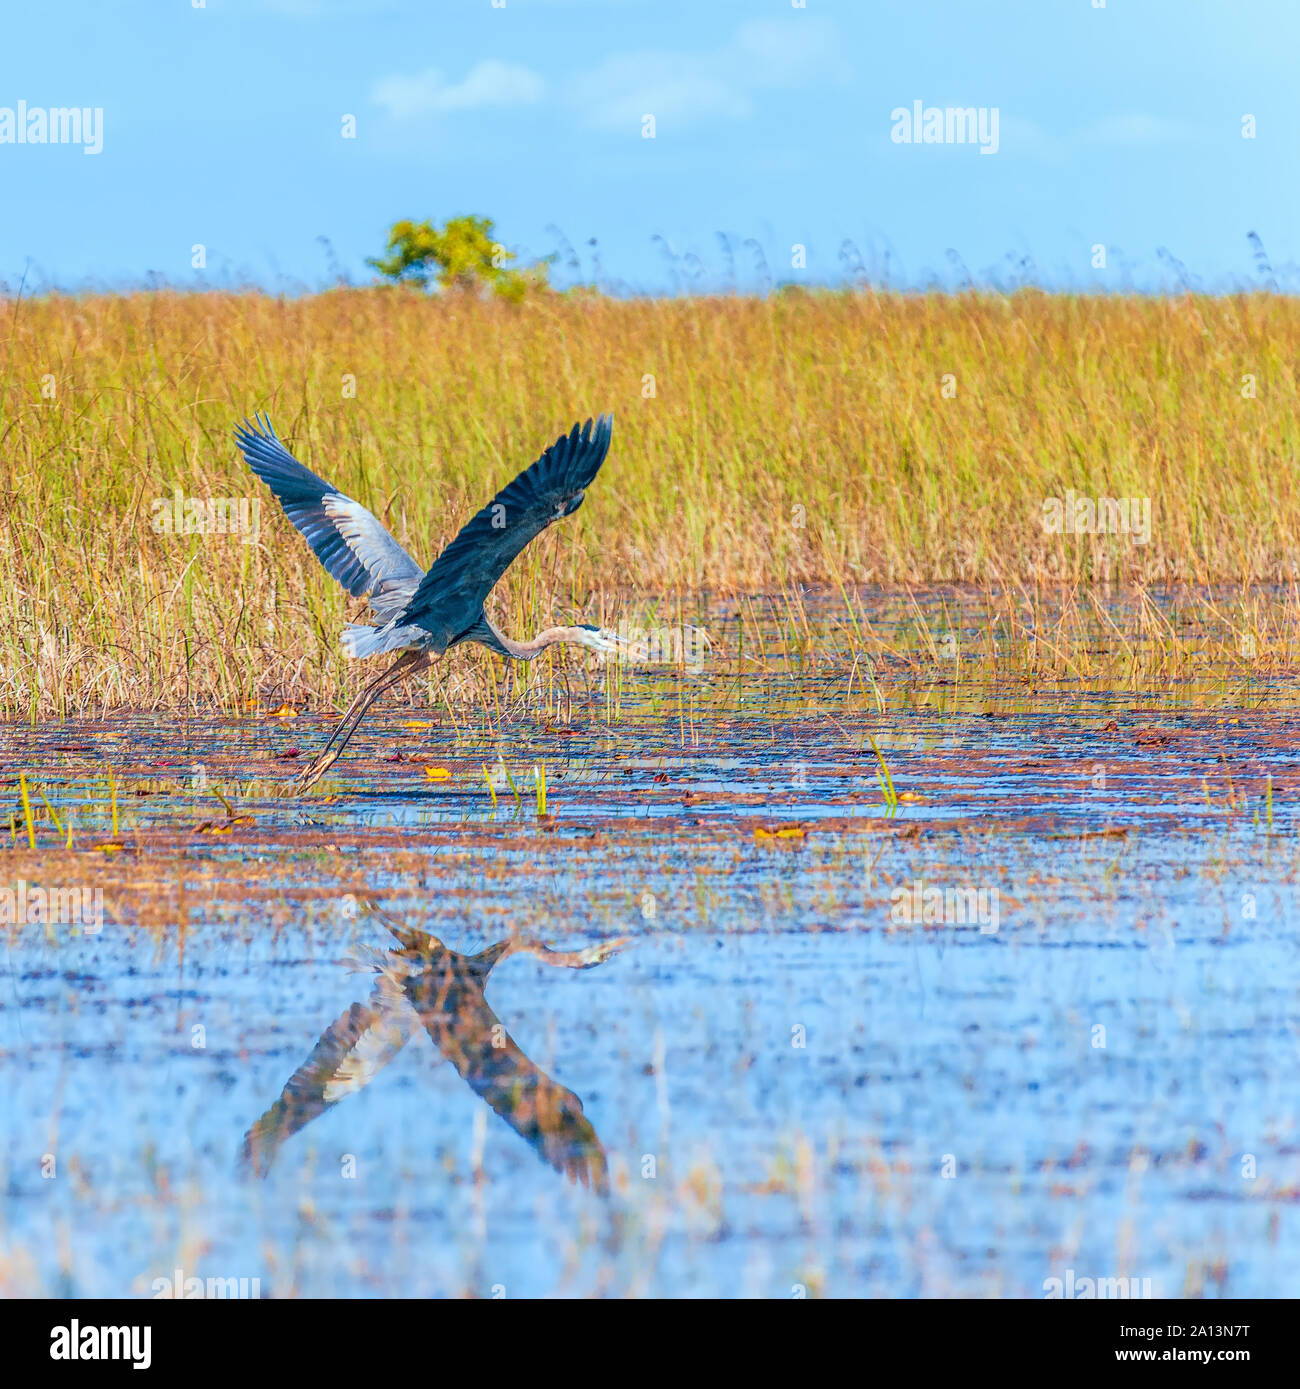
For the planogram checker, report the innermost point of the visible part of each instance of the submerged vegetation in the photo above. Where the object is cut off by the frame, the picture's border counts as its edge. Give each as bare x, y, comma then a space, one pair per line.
762, 446
945, 899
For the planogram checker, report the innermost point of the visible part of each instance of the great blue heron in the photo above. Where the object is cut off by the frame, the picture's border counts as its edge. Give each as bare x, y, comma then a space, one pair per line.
423, 984
421, 614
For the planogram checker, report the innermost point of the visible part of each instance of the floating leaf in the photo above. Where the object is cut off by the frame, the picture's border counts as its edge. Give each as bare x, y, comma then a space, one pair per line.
911, 796
792, 832
437, 774
285, 711
223, 826
1110, 832
417, 723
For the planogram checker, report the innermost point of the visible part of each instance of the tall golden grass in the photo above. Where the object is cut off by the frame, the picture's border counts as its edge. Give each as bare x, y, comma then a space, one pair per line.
833, 439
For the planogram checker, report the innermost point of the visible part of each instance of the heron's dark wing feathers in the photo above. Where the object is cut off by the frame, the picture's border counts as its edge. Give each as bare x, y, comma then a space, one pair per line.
348, 1056
348, 540
544, 1113
541, 1111
451, 595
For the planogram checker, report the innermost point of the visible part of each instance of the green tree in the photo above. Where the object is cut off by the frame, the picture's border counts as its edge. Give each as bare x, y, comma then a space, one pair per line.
463, 255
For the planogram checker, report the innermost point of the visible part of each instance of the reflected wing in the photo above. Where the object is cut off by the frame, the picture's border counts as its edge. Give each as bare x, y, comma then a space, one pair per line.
350, 1053
348, 540
541, 1111
451, 595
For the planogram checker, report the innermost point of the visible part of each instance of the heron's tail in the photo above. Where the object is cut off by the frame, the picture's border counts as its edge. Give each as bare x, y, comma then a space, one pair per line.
359, 640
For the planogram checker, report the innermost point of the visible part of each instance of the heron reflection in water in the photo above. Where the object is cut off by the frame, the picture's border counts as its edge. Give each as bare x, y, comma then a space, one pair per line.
423, 984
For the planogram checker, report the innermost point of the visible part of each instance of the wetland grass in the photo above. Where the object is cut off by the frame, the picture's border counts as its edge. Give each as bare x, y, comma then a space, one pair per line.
763, 447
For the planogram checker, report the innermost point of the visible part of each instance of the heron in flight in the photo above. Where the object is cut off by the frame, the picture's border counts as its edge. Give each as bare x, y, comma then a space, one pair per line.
423, 984
422, 615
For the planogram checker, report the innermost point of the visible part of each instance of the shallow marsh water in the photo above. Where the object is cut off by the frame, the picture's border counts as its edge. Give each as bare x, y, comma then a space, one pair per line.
794, 1087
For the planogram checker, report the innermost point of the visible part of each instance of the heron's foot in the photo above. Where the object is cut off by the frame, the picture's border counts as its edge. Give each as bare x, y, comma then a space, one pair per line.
312, 773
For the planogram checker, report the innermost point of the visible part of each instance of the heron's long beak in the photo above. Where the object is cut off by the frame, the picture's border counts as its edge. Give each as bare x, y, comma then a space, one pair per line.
607, 641
589, 958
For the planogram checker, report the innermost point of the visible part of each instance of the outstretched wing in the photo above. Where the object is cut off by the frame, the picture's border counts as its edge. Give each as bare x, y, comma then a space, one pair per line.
451, 595
348, 540
541, 1111
350, 1053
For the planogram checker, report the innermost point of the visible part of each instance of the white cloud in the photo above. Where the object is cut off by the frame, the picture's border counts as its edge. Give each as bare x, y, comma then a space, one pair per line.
685, 88
787, 52
489, 83
678, 88
1134, 128
626, 86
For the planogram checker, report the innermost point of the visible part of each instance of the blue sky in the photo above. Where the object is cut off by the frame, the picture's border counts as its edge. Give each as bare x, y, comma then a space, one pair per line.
223, 126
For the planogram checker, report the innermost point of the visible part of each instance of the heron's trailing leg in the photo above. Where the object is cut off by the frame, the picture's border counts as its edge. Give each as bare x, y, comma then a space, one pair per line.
408, 664
352, 708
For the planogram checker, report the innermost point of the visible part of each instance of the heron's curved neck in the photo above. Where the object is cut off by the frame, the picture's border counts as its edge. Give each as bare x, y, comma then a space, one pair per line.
550, 636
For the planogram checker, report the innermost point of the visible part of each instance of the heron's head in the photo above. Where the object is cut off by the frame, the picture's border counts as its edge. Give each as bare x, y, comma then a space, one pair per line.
599, 638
